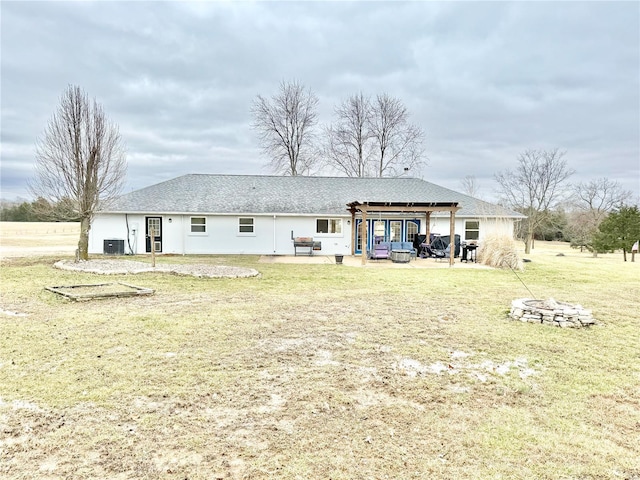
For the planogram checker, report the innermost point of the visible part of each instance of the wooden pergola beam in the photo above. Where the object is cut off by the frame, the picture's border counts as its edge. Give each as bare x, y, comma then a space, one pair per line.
395, 209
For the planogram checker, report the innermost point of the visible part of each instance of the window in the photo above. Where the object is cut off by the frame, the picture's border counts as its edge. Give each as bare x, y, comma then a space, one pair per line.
329, 225
412, 231
198, 225
395, 230
379, 229
154, 223
245, 225
471, 230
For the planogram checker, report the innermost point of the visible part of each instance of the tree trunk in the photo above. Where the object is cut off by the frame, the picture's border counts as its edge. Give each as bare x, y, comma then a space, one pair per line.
83, 243
528, 242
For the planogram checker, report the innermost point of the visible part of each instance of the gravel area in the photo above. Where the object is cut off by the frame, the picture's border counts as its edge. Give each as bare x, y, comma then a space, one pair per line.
113, 267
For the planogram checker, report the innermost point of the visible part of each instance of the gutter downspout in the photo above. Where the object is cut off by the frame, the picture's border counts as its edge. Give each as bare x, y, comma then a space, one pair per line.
274, 233
184, 234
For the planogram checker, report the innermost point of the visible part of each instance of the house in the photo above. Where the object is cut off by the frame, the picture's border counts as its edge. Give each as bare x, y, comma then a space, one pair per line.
257, 214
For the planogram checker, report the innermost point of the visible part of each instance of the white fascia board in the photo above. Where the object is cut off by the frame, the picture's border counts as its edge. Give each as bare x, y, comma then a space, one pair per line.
227, 214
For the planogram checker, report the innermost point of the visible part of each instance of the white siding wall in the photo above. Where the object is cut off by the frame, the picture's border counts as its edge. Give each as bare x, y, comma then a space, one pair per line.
488, 226
271, 236
113, 227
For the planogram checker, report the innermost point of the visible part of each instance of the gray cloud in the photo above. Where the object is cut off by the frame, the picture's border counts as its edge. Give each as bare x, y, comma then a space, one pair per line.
484, 80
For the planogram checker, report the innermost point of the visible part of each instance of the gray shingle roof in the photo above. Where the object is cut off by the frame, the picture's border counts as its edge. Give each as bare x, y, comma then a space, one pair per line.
260, 194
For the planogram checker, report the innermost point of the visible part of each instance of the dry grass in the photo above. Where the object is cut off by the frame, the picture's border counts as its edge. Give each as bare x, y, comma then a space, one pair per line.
499, 251
321, 371
38, 238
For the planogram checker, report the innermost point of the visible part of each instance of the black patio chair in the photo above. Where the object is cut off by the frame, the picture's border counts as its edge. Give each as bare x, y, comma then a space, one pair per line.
426, 251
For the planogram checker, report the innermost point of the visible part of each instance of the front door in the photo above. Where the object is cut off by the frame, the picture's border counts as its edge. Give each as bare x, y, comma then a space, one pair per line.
155, 224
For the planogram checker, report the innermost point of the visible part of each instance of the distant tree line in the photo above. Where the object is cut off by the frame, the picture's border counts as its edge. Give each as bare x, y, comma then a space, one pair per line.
596, 215
39, 210
617, 229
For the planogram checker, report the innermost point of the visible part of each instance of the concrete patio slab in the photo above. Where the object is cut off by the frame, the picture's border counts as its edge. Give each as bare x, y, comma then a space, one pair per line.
356, 261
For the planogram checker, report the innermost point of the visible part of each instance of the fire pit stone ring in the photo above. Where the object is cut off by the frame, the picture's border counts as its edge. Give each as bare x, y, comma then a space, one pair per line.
551, 312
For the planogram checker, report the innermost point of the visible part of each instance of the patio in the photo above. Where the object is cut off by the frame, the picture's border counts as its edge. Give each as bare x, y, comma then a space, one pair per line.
356, 261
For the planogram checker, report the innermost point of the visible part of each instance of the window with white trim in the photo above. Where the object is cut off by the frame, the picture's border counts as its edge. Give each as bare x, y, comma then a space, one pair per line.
412, 231
245, 225
329, 225
471, 230
198, 225
395, 230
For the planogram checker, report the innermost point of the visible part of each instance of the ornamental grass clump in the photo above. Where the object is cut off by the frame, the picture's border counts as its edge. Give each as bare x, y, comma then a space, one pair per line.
499, 251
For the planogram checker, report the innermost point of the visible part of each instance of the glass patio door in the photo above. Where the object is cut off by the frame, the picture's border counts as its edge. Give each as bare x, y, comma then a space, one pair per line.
395, 230
412, 228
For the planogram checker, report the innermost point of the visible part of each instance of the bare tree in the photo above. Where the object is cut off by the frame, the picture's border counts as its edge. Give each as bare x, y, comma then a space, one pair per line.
349, 139
535, 187
398, 143
80, 160
285, 126
600, 197
470, 186
592, 202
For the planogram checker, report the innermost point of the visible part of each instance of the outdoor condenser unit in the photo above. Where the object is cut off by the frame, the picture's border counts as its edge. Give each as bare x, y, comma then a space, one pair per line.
114, 247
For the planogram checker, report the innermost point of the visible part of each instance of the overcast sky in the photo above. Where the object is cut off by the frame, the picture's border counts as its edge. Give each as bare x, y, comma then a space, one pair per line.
485, 81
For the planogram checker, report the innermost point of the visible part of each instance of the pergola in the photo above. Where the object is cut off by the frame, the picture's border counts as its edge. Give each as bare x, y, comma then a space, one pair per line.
417, 208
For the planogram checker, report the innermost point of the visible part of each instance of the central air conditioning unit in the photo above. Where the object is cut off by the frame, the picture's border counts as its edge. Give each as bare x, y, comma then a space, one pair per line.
114, 247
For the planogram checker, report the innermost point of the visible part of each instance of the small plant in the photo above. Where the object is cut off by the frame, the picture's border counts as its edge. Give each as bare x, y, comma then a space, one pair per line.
499, 251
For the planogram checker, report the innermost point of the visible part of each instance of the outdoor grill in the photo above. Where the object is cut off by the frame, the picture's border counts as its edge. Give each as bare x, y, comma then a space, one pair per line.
306, 243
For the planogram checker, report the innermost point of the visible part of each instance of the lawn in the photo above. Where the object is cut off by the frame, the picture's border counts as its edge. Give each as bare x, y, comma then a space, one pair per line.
321, 371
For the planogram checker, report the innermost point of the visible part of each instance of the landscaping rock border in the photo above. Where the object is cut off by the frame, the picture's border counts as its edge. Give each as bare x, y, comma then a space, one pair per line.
120, 267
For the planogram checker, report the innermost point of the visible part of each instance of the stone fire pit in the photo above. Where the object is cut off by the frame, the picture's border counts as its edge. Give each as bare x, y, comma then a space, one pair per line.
551, 312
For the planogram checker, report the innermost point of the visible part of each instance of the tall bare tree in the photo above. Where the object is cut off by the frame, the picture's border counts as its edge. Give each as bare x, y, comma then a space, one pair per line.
285, 126
600, 197
535, 187
80, 159
470, 186
398, 143
349, 139
592, 202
